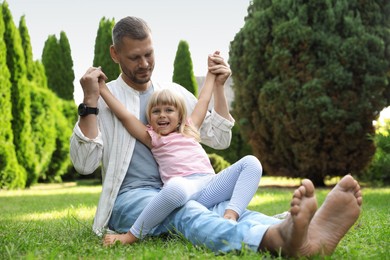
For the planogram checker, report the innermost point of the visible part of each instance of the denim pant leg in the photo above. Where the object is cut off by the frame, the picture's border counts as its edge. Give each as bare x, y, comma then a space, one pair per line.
202, 226
198, 224
258, 222
128, 206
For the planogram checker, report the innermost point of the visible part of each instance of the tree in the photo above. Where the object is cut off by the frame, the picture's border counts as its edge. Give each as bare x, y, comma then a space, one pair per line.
12, 175
36, 124
20, 97
35, 69
183, 73
57, 60
27, 49
313, 76
103, 42
67, 68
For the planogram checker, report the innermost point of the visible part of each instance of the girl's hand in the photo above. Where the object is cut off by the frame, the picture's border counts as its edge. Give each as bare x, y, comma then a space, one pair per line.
219, 67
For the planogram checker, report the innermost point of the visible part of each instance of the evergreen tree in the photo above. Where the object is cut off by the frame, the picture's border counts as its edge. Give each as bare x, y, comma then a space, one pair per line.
57, 60
35, 69
65, 116
20, 96
103, 42
313, 76
39, 74
50, 61
183, 73
26, 46
67, 72
43, 118
36, 125
12, 175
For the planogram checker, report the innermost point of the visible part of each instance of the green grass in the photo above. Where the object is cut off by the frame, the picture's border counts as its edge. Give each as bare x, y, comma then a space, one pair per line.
53, 221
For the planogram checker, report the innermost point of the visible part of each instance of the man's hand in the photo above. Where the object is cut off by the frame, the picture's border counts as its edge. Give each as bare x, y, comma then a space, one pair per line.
219, 67
90, 83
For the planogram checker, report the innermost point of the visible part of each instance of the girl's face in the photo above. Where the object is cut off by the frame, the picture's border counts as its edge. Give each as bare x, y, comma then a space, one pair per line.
164, 119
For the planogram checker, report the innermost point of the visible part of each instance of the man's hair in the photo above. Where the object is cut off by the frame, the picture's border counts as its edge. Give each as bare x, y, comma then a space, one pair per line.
131, 27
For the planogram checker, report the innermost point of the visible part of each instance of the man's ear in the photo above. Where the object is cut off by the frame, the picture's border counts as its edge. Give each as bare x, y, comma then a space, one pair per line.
114, 54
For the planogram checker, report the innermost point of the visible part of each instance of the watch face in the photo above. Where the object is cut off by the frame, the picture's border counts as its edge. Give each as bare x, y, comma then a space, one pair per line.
82, 109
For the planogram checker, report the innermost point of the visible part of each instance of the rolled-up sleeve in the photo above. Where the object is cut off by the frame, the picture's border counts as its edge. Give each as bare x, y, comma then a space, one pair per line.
85, 153
216, 131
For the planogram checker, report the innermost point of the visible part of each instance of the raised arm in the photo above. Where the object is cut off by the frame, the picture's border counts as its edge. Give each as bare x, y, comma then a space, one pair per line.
134, 126
86, 145
222, 71
90, 84
199, 113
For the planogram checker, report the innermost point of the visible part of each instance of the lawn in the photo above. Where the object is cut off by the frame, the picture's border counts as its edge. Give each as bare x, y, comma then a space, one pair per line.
53, 221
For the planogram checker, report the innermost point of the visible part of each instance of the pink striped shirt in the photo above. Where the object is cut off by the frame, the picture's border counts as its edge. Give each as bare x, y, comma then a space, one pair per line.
178, 155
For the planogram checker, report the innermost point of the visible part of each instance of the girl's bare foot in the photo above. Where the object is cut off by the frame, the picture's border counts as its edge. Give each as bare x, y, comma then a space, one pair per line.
127, 238
289, 236
332, 221
230, 214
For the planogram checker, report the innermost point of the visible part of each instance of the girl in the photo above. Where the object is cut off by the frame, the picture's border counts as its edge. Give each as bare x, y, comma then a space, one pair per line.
184, 166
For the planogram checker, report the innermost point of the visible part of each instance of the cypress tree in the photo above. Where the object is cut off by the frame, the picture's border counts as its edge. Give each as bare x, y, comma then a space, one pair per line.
27, 49
57, 60
102, 55
50, 61
66, 117
35, 69
312, 75
12, 175
20, 96
41, 110
67, 89
183, 73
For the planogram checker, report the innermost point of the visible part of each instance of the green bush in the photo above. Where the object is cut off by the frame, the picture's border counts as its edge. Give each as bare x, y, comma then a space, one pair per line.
218, 162
65, 119
379, 169
43, 127
309, 78
239, 147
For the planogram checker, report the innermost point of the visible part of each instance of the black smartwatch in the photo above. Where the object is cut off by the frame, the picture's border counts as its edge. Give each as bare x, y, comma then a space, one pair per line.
84, 110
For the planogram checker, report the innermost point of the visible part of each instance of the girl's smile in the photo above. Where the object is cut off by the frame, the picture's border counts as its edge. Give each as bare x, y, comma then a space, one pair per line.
164, 119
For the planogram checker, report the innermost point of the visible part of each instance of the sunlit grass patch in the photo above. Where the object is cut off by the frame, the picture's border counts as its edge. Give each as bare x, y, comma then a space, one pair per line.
80, 212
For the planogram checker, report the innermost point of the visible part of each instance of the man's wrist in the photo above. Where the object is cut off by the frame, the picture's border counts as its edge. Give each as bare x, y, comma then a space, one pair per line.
90, 101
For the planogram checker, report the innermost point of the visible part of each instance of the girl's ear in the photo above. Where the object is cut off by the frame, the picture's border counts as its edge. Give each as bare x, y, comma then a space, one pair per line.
114, 54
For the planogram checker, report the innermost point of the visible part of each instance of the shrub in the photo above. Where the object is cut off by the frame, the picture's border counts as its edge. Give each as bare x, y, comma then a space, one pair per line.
379, 170
218, 162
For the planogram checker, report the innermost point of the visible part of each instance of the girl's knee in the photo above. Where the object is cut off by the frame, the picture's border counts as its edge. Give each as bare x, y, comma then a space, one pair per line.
175, 192
253, 161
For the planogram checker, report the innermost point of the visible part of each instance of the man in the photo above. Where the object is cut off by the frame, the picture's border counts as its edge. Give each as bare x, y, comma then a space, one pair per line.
131, 178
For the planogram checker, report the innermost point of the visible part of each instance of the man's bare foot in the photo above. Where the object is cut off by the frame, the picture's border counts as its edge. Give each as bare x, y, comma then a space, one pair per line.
288, 236
230, 214
127, 238
334, 218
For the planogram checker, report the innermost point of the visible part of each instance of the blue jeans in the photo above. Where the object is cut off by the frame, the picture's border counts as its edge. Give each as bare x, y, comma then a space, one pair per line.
199, 225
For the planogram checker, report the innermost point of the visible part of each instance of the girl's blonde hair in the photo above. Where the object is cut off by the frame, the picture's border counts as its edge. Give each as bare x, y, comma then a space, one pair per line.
168, 97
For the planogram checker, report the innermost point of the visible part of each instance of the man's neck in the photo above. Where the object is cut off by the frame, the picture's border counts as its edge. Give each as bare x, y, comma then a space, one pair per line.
139, 87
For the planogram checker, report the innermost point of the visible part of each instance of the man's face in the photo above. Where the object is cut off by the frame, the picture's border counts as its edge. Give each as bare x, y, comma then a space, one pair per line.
136, 59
